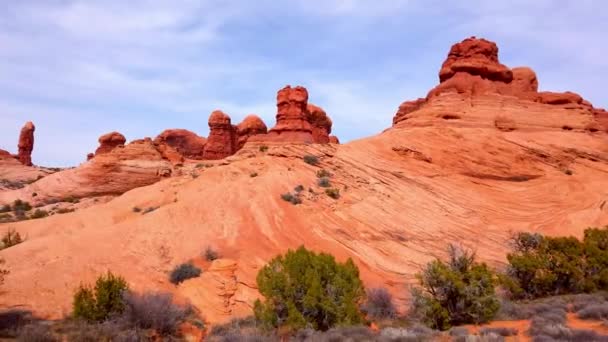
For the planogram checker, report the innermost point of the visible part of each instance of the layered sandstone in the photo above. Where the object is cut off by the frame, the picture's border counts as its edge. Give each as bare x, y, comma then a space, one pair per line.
26, 144
222, 140
320, 122
185, 142
250, 126
109, 142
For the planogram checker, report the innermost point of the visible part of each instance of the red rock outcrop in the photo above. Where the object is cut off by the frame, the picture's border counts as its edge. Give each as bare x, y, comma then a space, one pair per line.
26, 143
320, 122
553, 98
406, 108
475, 57
250, 126
334, 139
222, 140
292, 117
90, 156
5, 154
185, 142
110, 141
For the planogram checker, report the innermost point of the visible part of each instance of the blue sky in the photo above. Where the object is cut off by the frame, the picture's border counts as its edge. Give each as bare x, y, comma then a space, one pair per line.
79, 69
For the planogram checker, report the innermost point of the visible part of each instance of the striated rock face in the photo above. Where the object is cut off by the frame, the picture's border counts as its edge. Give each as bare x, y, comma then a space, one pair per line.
222, 140
185, 142
250, 126
26, 143
407, 107
320, 122
292, 117
110, 141
475, 57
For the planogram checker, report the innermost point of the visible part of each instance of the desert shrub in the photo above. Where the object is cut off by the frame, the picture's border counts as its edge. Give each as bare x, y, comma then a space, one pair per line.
153, 311
500, 331
455, 292
310, 159
211, 254
413, 333
19, 205
253, 174
303, 288
596, 311
102, 300
111, 330
36, 333
11, 238
34, 194
299, 188
13, 320
379, 304
323, 174
293, 199
239, 329
263, 148
333, 193
581, 301
71, 199
544, 266
459, 331
183, 272
354, 333
39, 213
136, 209
324, 182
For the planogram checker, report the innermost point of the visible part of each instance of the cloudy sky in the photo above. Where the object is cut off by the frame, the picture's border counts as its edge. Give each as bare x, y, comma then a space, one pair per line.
79, 69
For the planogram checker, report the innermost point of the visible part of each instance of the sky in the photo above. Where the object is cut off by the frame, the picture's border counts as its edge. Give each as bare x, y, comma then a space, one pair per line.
79, 69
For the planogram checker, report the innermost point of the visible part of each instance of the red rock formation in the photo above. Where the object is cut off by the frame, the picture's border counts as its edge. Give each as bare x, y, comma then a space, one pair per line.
406, 108
5, 154
476, 57
333, 139
549, 97
26, 143
292, 117
185, 142
110, 141
250, 126
222, 140
90, 156
320, 122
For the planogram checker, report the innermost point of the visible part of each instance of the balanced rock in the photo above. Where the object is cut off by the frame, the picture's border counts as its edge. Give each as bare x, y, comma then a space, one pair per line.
110, 141
26, 143
250, 126
320, 122
222, 140
185, 142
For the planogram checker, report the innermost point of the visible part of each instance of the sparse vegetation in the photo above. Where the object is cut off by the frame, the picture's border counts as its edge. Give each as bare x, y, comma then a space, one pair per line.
324, 182
19, 205
11, 238
211, 254
136, 209
183, 272
65, 210
263, 148
303, 288
500, 331
298, 188
333, 193
310, 159
39, 213
98, 303
153, 311
458, 291
379, 304
292, 198
71, 199
36, 333
323, 174
568, 172
253, 174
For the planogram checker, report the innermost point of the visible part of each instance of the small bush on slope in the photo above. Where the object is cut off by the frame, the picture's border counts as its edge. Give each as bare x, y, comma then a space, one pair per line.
306, 289
183, 272
379, 304
458, 292
11, 238
101, 301
310, 159
153, 311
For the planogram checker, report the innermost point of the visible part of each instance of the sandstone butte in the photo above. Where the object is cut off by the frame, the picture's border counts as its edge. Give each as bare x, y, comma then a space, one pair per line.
481, 156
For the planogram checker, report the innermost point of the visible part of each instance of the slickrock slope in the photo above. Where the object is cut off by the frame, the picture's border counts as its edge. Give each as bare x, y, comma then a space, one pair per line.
458, 166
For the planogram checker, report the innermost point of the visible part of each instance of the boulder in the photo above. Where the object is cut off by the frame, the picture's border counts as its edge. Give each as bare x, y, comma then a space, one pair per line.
250, 126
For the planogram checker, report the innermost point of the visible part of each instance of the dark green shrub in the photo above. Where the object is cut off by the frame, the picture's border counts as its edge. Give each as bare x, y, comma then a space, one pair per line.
379, 304
293, 199
303, 288
98, 303
323, 174
310, 159
11, 238
459, 291
595, 245
211, 254
324, 182
333, 193
183, 272
39, 213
